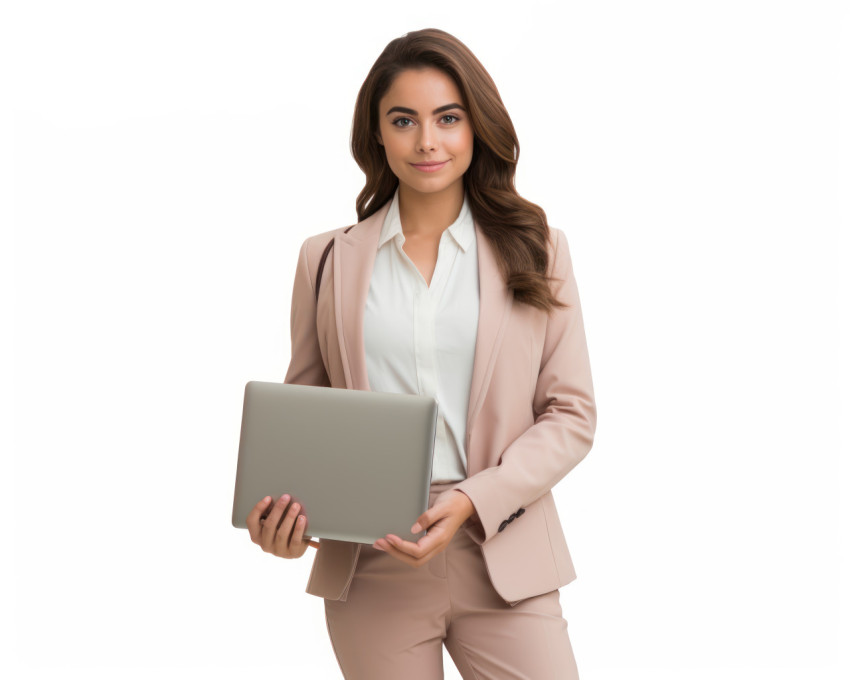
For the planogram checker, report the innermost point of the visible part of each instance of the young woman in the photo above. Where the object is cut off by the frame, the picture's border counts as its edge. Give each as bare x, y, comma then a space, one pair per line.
453, 286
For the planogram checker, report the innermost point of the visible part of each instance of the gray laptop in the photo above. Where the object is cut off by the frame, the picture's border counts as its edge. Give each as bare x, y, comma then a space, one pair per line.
358, 462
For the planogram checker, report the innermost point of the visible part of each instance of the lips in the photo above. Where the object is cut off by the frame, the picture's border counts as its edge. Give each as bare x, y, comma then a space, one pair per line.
430, 166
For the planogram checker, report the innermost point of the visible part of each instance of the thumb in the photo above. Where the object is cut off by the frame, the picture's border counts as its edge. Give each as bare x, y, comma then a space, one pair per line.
424, 520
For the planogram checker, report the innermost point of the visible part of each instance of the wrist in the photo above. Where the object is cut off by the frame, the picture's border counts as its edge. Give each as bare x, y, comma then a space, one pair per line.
469, 511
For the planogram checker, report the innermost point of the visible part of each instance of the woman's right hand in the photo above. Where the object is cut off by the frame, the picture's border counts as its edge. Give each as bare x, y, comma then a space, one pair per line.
277, 537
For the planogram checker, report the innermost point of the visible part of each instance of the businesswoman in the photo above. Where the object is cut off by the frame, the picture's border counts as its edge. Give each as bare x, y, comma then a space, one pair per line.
450, 285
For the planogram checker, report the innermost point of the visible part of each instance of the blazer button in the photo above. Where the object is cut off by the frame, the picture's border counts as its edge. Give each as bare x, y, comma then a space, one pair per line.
520, 511
503, 525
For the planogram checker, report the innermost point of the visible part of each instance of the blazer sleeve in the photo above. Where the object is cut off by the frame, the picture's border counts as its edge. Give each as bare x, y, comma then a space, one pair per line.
565, 417
306, 366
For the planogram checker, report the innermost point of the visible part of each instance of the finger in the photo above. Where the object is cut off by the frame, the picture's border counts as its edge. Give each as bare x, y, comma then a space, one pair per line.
435, 513
308, 541
298, 534
284, 532
424, 556
390, 549
430, 541
422, 522
414, 550
433, 540
272, 521
254, 520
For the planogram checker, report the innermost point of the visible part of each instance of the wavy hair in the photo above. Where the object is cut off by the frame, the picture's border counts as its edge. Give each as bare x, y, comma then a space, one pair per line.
516, 227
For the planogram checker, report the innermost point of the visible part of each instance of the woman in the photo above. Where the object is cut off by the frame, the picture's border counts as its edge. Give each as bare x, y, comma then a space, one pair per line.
443, 240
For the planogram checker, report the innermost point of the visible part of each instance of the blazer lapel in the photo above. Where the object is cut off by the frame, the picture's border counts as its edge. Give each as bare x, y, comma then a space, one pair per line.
353, 262
495, 305
354, 259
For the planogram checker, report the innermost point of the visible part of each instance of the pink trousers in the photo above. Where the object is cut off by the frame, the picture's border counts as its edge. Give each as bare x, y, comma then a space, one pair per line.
397, 617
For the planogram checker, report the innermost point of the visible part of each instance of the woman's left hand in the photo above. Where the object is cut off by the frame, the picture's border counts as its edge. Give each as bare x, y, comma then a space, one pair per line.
442, 520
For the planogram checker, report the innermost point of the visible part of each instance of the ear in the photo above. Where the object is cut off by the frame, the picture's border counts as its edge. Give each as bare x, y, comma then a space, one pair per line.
379, 138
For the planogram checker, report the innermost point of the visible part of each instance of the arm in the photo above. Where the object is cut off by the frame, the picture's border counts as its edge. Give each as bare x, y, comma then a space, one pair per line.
562, 433
305, 366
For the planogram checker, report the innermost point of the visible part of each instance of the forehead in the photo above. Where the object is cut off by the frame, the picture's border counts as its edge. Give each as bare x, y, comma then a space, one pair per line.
421, 89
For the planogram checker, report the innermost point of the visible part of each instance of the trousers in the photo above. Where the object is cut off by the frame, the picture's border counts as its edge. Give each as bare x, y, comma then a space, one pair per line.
397, 617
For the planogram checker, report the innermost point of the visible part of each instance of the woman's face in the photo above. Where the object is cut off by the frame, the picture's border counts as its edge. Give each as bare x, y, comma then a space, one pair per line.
422, 119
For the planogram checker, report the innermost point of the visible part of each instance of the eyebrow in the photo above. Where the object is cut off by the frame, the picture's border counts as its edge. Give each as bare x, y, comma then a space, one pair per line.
447, 107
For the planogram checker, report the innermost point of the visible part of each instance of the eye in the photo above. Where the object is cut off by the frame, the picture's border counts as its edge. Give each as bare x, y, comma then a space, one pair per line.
448, 115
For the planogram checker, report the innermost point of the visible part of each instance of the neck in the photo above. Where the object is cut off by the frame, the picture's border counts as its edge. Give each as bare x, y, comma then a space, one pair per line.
426, 216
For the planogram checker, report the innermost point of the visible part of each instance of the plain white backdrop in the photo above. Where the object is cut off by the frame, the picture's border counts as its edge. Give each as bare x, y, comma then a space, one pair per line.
163, 161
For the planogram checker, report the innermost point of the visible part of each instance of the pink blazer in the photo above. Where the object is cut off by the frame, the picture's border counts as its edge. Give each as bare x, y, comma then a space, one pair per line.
531, 415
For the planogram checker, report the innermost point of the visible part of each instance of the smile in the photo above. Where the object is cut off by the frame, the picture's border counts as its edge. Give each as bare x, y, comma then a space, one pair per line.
430, 168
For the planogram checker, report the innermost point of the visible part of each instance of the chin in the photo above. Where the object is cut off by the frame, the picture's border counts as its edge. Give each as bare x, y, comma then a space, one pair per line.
426, 188
431, 184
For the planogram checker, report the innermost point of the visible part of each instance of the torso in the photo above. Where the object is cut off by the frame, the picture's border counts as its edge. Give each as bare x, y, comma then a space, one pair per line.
424, 255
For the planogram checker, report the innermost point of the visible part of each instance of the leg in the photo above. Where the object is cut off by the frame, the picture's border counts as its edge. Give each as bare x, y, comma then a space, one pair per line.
393, 622
489, 639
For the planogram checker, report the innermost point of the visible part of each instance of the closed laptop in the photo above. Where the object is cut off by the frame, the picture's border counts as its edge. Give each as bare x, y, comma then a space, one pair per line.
358, 462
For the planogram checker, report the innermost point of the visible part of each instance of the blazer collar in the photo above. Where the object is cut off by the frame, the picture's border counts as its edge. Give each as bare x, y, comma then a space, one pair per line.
353, 261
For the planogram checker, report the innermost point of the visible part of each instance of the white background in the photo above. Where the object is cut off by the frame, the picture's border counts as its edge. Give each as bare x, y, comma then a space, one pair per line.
162, 162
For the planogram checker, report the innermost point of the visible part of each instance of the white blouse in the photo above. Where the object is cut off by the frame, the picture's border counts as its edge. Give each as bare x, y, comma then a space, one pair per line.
421, 339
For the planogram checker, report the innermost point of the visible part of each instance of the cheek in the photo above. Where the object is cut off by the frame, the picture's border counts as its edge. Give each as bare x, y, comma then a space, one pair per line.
392, 144
395, 156
461, 148
461, 143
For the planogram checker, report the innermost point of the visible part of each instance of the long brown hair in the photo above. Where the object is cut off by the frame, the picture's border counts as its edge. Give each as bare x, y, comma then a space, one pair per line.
516, 227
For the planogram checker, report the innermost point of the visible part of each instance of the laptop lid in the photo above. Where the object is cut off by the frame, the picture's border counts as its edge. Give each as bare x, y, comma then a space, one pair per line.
358, 462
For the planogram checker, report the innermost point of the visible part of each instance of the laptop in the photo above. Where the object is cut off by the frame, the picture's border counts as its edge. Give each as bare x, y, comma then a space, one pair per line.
358, 462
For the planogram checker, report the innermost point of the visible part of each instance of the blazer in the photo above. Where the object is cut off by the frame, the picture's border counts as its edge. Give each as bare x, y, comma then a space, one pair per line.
531, 416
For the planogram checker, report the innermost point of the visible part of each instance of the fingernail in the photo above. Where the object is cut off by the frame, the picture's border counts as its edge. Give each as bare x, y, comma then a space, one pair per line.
416, 528
377, 547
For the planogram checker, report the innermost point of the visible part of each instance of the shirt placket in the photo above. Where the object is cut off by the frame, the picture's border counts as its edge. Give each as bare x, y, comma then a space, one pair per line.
425, 346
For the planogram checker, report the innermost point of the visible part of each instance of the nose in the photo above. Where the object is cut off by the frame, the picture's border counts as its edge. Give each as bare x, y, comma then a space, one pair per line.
427, 139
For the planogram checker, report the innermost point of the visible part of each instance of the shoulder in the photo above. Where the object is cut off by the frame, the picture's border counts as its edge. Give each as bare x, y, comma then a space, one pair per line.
319, 241
558, 263
314, 246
